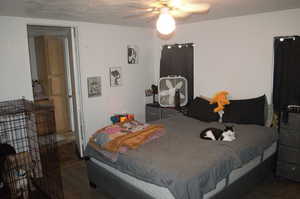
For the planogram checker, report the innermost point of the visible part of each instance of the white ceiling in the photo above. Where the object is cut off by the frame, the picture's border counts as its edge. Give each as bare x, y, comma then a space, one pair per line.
115, 11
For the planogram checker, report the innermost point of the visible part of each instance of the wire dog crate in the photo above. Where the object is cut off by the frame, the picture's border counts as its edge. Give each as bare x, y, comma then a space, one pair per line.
30, 167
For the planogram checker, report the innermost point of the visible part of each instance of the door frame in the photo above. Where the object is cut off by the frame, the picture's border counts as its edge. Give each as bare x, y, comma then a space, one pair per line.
75, 77
77, 86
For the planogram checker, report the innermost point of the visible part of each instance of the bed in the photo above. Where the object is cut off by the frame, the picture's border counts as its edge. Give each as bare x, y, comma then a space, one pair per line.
180, 165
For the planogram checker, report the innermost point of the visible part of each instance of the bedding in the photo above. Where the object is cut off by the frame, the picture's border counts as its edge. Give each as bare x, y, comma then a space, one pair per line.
118, 138
251, 141
185, 164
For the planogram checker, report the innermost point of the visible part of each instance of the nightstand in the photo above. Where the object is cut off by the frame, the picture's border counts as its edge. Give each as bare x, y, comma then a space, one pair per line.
156, 112
288, 164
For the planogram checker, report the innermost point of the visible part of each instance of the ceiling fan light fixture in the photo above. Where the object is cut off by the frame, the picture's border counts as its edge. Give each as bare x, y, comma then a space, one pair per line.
149, 9
176, 3
165, 23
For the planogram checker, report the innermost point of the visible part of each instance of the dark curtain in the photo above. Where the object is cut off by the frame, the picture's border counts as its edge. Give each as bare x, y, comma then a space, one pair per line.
286, 84
179, 60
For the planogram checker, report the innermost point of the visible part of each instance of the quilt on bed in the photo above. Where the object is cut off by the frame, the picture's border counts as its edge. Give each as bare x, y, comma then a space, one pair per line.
185, 164
118, 138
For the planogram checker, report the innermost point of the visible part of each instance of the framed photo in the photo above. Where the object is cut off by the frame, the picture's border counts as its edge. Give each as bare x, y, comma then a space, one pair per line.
94, 86
115, 74
132, 54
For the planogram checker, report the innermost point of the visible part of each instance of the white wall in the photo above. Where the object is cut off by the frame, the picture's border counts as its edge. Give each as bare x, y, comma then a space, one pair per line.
235, 54
15, 79
100, 47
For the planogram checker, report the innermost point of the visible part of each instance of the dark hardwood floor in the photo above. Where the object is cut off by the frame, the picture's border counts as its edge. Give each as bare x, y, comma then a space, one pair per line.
74, 177
76, 186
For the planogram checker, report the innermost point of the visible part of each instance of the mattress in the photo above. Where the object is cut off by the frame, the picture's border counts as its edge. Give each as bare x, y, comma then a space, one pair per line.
209, 162
159, 192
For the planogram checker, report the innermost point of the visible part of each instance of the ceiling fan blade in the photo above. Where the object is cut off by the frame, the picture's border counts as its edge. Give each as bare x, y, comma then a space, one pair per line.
141, 8
134, 16
175, 3
143, 15
195, 8
179, 14
116, 3
157, 4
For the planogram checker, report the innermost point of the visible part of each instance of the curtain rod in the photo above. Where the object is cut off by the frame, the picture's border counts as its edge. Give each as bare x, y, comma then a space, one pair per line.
178, 45
282, 38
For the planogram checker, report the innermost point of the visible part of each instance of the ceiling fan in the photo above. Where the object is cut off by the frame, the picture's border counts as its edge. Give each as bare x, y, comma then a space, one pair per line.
167, 10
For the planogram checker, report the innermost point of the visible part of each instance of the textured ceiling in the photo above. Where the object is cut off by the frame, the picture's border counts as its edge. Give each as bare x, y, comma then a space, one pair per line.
115, 11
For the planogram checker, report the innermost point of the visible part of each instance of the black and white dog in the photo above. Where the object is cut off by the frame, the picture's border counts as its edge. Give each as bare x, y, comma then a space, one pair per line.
5, 151
227, 134
18, 175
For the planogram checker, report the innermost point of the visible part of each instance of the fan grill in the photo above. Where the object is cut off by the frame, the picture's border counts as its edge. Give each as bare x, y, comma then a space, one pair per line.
167, 89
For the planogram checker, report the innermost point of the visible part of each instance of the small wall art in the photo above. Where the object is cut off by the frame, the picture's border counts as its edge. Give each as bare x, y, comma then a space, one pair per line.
115, 74
132, 54
94, 86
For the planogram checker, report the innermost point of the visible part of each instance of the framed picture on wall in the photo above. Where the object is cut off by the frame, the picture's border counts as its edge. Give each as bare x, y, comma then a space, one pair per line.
132, 54
115, 74
94, 86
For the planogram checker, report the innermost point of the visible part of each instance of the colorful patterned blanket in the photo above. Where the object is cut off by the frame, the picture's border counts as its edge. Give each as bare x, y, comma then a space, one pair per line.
118, 138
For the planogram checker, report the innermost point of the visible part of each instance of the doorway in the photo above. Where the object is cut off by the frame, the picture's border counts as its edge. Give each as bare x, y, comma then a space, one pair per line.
55, 81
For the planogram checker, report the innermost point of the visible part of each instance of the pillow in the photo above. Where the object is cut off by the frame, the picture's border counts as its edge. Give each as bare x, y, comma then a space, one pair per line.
247, 111
201, 109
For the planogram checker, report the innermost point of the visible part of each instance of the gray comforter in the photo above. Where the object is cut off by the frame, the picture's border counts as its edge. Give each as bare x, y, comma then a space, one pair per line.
187, 165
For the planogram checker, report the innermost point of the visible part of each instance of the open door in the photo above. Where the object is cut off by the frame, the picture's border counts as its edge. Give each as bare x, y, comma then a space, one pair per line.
52, 77
55, 51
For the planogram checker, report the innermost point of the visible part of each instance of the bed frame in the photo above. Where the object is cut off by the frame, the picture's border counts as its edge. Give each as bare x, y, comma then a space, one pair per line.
106, 182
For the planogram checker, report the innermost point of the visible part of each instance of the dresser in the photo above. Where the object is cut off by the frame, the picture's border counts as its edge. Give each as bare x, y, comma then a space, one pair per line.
156, 112
288, 163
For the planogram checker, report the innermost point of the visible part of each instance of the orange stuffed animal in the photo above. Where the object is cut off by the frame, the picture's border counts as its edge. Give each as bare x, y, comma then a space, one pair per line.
221, 99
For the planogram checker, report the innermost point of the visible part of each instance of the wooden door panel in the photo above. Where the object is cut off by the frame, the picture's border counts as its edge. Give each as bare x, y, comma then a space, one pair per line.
51, 67
55, 50
61, 114
57, 86
57, 79
42, 64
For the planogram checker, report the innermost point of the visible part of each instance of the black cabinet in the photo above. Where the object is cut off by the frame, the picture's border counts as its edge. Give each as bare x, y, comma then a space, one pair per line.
288, 164
156, 112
